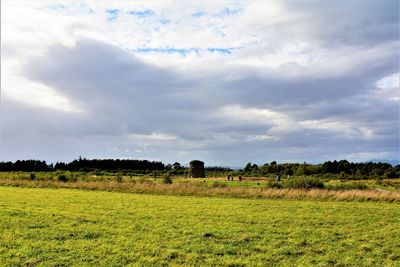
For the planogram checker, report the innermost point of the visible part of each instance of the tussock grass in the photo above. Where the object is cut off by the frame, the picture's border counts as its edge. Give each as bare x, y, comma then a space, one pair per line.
209, 190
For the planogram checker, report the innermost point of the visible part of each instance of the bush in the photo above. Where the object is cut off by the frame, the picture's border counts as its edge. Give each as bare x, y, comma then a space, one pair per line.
32, 176
119, 178
343, 175
62, 178
304, 182
391, 174
73, 177
273, 184
167, 179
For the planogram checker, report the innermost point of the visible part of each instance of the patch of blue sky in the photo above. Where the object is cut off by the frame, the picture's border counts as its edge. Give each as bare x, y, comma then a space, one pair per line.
56, 7
164, 21
229, 11
141, 13
221, 30
220, 50
186, 51
167, 50
65, 9
86, 8
112, 14
198, 14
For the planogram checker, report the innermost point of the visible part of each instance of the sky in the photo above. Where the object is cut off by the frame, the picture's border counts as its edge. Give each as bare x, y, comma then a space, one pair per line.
226, 82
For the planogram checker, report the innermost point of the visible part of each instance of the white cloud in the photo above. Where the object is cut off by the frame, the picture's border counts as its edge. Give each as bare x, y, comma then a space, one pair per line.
347, 129
254, 115
226, 80
281, 124
152, 136
37, 94
391, 81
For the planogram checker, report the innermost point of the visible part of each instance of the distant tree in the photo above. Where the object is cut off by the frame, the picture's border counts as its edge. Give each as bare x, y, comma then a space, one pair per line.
168, 167
358, 174
391, 173
248, 167
376, 172
177, 166
6, 166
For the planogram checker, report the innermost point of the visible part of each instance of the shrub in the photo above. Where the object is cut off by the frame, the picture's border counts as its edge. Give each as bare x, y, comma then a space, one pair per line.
390, 174
73, 177
167, 179
343, 175
273, 184
119, 178
62, 178
32, 176
304, 182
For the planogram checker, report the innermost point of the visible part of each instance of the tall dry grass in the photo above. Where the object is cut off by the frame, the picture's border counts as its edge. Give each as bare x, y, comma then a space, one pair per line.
209, 191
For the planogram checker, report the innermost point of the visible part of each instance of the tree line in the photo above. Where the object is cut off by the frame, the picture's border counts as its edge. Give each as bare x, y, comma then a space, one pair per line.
340, 169
82, 165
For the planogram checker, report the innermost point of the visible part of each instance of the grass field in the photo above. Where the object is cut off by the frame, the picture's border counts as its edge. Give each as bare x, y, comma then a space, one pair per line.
387, 190
392, 184
64, 227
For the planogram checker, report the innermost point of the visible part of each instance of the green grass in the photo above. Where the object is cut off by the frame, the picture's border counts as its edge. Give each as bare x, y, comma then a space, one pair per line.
64, 227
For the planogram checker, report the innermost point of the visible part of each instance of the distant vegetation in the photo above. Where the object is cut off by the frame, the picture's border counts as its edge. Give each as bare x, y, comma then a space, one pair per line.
380, 180
217, 188
342, 169
82, 165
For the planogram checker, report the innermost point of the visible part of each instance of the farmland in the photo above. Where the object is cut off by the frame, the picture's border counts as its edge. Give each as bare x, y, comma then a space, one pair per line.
49, 227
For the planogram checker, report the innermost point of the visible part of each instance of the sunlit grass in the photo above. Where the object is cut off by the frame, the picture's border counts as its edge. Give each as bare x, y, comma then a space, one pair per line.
49, 227
249, 187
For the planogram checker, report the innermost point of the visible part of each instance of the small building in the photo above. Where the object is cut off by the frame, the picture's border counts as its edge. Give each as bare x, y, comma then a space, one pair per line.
196, 169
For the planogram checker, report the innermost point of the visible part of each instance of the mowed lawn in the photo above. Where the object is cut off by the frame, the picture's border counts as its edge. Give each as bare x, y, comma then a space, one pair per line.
65, 227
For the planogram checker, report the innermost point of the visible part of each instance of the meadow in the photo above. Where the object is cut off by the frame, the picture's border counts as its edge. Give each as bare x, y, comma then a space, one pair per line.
64, 227
300, 188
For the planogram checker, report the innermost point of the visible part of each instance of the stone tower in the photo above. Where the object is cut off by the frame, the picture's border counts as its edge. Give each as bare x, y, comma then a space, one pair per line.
196, 169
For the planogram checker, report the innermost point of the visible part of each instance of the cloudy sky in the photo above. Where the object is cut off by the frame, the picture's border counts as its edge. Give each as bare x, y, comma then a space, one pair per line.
226, 82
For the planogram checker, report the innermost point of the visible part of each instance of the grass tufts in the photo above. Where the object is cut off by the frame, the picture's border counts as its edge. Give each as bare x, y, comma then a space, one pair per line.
150, 187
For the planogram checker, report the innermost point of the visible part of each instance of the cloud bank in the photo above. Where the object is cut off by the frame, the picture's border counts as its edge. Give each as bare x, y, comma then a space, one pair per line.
226, 83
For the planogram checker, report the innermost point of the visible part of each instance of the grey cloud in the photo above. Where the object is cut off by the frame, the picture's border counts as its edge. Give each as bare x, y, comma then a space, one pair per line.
111, 85
303, 89
341, 22
125, 99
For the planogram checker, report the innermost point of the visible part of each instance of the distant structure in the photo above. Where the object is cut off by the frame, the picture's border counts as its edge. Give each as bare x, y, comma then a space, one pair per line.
196, 169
